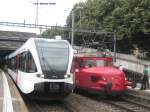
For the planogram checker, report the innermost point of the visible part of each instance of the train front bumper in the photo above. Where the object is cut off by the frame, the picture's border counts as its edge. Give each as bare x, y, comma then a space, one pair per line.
109, 87
53, 87
102, 91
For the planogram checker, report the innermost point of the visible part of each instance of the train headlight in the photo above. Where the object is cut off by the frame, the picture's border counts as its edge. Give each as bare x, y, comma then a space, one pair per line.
67, 76
40, 75
125, 79
103, 78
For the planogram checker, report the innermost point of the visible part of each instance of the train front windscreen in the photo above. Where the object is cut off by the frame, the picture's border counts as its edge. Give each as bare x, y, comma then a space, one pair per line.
54, 57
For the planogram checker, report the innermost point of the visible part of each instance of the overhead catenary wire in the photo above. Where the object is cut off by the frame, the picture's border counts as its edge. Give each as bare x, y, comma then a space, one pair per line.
39, 26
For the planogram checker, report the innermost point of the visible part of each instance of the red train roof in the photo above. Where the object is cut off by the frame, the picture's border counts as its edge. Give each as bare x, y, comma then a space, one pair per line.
89, 52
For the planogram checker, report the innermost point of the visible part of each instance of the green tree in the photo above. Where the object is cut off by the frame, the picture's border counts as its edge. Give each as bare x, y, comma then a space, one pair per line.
51, 33
130, 18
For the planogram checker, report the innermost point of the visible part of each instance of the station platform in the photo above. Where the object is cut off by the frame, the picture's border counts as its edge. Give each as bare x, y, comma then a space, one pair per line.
10, 98
130, 62
138, 87
138, 92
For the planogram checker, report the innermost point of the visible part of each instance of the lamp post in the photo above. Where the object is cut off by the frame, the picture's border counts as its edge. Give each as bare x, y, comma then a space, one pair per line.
114, 57
72, 34
37, 14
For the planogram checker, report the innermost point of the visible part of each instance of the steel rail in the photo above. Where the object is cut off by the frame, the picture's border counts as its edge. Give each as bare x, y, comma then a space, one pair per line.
129, 105
136, 103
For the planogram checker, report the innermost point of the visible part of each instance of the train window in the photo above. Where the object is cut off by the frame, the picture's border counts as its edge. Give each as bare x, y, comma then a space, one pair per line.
16, 63
26, 63
100, 63
30, 65
81, 64
13, 63
88, 63
109, 63
22, 60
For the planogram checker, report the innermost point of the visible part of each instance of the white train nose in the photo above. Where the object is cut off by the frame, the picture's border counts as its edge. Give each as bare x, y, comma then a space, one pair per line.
67, 76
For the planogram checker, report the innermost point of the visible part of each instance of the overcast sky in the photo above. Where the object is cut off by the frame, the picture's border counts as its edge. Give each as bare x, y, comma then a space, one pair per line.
20, 10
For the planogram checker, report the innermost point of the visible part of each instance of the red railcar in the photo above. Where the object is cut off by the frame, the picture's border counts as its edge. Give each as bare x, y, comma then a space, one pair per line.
94, 72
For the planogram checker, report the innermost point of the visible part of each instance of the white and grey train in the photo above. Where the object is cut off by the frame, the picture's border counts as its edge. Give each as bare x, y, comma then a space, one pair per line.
42, 66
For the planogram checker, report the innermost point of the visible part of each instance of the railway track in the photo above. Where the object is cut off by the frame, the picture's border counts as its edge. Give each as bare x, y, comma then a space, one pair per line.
35, 105
138, 98
127, 103
25, 103
131, 103
94, 103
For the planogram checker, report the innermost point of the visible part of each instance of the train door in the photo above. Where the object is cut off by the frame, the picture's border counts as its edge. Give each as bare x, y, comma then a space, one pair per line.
85, 72
81, 76
26, 73
77, 71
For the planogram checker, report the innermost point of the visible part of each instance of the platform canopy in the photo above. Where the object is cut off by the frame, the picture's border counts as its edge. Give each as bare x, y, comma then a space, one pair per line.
10, 41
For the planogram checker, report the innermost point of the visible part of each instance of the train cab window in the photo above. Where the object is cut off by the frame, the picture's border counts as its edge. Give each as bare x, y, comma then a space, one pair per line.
88, 63
109, 63
100, 63
30, 65
81, 64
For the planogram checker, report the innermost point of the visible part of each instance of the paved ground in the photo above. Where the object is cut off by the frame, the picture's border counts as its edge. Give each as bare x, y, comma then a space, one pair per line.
10, 98
138, 88
17, 101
